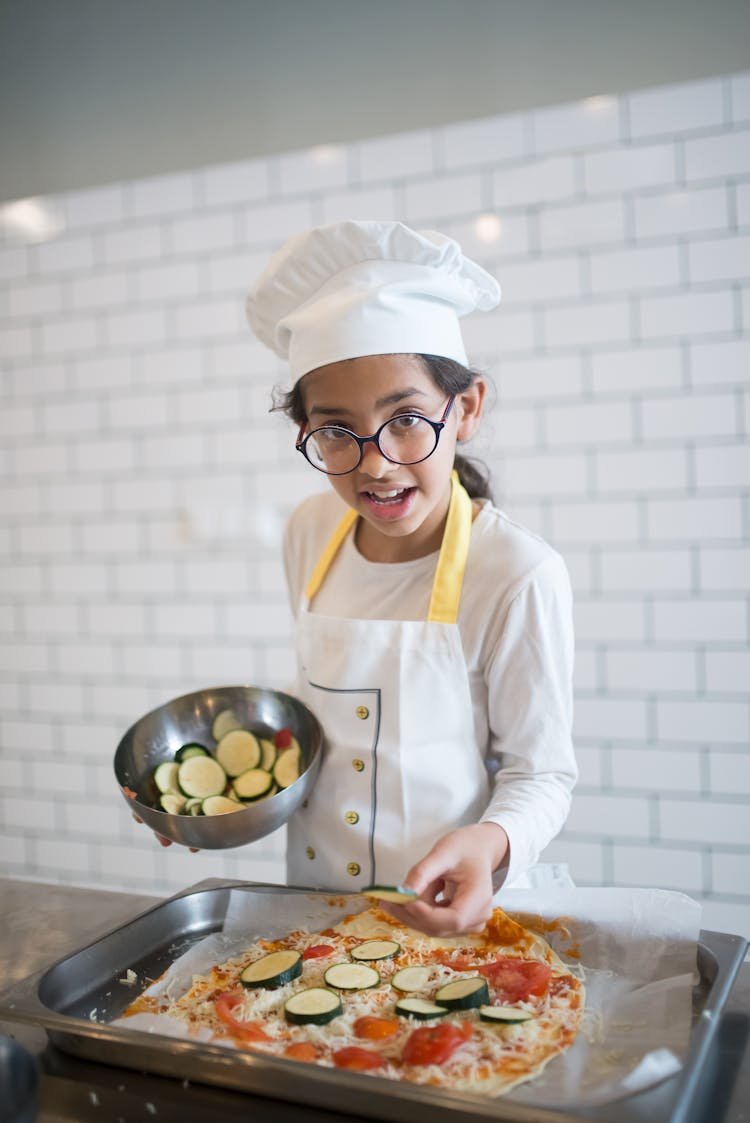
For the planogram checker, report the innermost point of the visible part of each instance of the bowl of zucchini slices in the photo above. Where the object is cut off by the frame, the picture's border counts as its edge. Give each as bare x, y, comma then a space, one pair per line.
220, 767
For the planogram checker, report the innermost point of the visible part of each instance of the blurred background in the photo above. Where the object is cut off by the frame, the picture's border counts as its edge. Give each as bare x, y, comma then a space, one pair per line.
595, 157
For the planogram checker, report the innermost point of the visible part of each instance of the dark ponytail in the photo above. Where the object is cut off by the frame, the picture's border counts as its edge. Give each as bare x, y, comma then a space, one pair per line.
449, 376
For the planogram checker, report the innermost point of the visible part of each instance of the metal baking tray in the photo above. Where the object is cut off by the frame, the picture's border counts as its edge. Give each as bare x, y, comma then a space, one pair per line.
62, 997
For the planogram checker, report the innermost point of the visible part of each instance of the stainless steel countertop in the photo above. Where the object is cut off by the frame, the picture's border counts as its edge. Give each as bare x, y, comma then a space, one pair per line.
42, 923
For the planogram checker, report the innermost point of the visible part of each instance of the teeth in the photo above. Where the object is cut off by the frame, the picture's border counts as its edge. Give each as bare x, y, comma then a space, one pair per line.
387, 494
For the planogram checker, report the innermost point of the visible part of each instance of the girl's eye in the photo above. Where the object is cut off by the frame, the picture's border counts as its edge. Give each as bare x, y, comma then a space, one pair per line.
404, 422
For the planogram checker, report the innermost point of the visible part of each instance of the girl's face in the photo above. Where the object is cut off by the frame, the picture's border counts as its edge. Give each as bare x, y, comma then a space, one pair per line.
403, 507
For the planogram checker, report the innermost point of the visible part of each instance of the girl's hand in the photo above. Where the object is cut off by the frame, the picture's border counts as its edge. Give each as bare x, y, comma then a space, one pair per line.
165, 841
459, 870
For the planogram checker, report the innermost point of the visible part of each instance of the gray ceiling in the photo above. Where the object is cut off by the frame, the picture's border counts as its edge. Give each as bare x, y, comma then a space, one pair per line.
97, 91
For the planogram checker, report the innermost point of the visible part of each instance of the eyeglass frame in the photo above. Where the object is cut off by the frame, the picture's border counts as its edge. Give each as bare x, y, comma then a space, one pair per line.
437, 426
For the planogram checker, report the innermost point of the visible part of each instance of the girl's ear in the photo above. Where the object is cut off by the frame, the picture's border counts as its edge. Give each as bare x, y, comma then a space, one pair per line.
469, 405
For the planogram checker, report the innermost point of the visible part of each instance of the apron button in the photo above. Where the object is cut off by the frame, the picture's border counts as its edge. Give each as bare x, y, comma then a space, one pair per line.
310, 852
362, 712
351, 817
358, 765
353, 868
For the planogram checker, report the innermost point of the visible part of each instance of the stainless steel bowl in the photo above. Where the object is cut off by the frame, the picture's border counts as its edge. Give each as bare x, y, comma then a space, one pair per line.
19, 1082
159, 734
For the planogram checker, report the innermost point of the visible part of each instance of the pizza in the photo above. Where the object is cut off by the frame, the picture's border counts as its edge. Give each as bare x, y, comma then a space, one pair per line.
477, 1013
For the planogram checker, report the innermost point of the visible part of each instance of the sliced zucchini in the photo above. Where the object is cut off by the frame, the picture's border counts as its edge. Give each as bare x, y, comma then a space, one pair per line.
507, 1015
224, 723
287, 767
172, 804
253, 784
420, 1008
193, 806
411, 978
219, 805
273, 970
201, 776
191, 749
268, 754
396, 894
375, 949
314, 1006
464, 994
237, 751
351, 976
165, 777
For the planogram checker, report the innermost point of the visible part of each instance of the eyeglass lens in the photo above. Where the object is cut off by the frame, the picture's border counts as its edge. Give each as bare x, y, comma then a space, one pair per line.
404, 440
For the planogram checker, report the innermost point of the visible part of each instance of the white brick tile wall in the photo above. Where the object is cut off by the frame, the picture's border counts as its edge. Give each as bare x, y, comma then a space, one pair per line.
145, 484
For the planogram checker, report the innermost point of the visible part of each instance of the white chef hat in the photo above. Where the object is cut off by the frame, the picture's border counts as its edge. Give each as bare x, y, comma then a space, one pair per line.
366, 288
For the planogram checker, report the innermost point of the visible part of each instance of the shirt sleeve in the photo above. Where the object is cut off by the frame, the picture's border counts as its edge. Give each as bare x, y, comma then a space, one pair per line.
530, 698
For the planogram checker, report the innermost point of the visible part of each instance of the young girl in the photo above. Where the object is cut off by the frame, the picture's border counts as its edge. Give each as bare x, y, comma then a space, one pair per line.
434, 635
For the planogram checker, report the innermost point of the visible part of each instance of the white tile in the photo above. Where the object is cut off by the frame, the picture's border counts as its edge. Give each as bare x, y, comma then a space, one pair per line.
70, 416
742, 193
173, 364
163, 195
133, 243
583, 124
96, 206
29, 814
69, 335
109, 620
14, 262
686, 107
587, 323
661, 670
592, 223
725, 568
35, 299
22, 580
726, 466
379, 202
719, 259
138, 411
392, 157
613, 521
728, 672
207, 407
137, 327
608, 816
533, 182
151, 659
583, 858
646, 570
146, 494
498, 332
167, 282
76, 498
689, 416
687, 313
661, 867
105, 455
585, 424
655, 367
605, 620
99, 290
715, 821
50, 539
638, 469
234, 272
66, 255
686, 211
172, 620
635, 269
111, 537
534, 282
76, 579
203, 233
320, 168
703, 721
730, 873
629, 168
16, 343
270, 224
208, 319
149, 578
699, 621
239, 182
181, 450
486, 140
723, 155
720, 361
543, 474
540, 377
101, 373
442, 196
739, 87
610, 718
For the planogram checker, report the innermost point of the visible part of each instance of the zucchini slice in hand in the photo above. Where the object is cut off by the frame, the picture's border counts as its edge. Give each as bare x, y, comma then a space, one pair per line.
396, 894
375, 949
201, 776
464, 994
314, 1006
420, 1008
351, 976
238, 751
505, 1015
273, 970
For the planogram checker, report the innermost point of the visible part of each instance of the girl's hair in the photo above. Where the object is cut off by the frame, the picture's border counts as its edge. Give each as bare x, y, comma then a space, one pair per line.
450, 376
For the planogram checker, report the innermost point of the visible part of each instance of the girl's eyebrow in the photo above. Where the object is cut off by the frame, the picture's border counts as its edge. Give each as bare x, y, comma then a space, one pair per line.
392, 399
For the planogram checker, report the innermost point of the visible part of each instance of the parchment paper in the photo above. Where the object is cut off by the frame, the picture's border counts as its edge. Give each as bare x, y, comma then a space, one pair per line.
635, 950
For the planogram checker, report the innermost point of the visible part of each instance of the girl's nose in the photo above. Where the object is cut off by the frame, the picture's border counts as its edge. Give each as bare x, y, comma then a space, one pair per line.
373, 463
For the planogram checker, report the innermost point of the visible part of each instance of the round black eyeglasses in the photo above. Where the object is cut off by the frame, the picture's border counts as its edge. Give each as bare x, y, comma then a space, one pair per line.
408, 438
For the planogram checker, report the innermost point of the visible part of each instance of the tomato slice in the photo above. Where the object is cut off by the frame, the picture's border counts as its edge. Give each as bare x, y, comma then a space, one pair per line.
301, 1051
516, 980
317, 951
357, 1059
373, 1028
434, 1045
225, 1005
283, 738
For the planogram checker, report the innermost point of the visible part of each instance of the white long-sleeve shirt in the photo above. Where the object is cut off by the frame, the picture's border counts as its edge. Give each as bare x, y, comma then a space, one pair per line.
515, 622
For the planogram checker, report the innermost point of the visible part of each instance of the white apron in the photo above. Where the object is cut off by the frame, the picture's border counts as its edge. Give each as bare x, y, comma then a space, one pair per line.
401, 766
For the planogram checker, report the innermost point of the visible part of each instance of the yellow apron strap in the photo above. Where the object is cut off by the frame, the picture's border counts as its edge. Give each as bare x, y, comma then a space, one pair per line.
449, 574
326, 558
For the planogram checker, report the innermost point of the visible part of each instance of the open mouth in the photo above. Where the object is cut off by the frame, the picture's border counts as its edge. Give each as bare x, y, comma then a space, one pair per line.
390, 498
